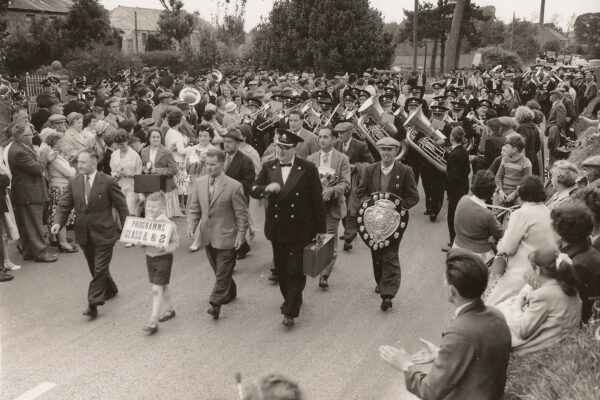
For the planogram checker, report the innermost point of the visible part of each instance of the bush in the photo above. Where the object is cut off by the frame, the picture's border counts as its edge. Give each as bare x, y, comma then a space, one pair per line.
98, 62
591, 147
570, 370
494, 55
164, 58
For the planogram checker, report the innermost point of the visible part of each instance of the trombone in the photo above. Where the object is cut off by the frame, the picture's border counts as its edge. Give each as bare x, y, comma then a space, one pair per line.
279, 116
249, 118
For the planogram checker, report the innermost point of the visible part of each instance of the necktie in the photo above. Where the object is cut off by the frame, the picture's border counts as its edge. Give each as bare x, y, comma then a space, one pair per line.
325, 158
285, 165
87, 188
211, 188
227, 162
346, 146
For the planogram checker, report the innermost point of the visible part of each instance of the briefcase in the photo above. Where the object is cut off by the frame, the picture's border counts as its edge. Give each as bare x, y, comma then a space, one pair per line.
149, 183
318, 255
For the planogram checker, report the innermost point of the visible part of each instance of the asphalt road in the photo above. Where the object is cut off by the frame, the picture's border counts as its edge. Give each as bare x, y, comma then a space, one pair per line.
332, 351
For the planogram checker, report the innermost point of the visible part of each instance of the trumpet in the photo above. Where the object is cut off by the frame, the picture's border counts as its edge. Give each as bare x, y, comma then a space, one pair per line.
249, 118
327, 121
471, 116
448, 120
279, 116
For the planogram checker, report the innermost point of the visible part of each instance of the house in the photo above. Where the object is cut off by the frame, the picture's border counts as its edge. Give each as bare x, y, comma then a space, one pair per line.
137, 24
549, 34
20, 14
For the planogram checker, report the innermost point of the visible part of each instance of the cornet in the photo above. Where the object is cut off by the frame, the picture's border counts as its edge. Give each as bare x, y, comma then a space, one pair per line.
471, 116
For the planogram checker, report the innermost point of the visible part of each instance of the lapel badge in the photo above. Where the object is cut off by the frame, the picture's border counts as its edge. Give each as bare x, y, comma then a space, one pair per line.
299, 168
274, 166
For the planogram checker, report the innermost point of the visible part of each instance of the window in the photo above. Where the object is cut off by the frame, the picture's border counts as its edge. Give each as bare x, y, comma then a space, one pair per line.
129, 46
144, 38
29, 20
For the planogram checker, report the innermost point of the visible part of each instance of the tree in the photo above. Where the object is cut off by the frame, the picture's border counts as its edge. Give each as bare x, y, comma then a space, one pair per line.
231, 30
88, 22
525, 42
494, 55
587, 30
454, 37
174, 22
329, 35
552, 45
157, 42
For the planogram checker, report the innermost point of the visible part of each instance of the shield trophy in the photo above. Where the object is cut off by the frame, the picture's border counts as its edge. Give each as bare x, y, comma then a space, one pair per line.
381, 220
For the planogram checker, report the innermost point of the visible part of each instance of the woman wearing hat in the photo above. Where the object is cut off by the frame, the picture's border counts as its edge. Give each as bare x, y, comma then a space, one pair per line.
59, 171
178, 144
125, 163
231, 118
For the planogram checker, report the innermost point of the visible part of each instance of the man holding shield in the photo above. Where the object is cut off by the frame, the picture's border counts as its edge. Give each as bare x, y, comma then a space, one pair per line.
388, 176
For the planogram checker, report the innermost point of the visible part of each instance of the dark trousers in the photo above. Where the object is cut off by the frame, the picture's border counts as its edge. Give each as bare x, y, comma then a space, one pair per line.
222, 262
350, 228
288, 258
453, 198
29, 221
102, 284
386, 269
433, 185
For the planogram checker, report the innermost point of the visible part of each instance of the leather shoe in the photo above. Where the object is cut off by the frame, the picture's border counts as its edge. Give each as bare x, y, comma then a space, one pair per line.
243, 251
377, 289
323, 282
427, 212
288, 321
63, 249
46, 258
110, 295
347, 246
151, 328
386, 304
91, 311
167, 315
214, 311
4, 277
433, 217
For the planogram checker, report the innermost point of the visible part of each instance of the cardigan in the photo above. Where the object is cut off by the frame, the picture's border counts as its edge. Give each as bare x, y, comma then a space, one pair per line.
474, 224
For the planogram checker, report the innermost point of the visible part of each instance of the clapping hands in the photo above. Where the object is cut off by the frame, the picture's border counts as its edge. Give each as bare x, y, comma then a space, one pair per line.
427, 354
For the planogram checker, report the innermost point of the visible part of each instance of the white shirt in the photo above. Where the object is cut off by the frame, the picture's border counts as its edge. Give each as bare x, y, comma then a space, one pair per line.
130, 164
326, 163
153, 155
387, 170
91, 178
285, 171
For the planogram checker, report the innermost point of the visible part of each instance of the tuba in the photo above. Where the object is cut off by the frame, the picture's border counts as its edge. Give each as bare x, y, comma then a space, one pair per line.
190, 95
423, 138
372, 128
216, 75
311, 117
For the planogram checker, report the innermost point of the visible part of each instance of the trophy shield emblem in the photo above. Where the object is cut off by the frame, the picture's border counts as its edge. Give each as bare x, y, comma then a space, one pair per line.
381, 220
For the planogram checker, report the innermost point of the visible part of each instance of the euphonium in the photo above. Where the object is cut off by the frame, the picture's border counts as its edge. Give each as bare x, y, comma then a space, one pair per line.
373, 128
190, 95
423, 138
311, 117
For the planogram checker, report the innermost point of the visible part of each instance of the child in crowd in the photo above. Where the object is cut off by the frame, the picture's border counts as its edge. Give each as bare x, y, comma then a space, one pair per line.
513, 168
159, 261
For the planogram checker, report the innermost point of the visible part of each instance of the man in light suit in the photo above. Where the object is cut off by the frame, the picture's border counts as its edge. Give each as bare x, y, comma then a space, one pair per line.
555, 126
218, 205
94, 194
334, 186
359, 157
472, 360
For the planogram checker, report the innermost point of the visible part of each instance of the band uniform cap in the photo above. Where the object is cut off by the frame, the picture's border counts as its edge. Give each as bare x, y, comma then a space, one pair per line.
458, 105
277, 97
259, 93
440, 99
254, 102
343, 127
450, 93
230, 107
386, 98
485, 102
165, 95
350, 97
57, 118
364, 93
438, 108
413, 101
498, 93
388, 142
593, 161
288, 138
437, 85
390, 89
321, 96
235, 134
147, 122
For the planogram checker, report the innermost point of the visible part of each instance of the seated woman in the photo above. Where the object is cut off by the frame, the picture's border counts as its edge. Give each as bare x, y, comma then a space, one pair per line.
539, 318
529, 228
564, 182
474, 223
573, 223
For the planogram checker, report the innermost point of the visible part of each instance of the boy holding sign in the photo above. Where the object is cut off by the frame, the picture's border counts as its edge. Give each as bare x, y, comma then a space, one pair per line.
159, 261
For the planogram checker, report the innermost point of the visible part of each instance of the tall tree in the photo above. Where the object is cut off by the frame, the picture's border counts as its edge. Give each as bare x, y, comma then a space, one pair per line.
454, 37
331, 35
587, 30
88, 22
231, 30
174, 22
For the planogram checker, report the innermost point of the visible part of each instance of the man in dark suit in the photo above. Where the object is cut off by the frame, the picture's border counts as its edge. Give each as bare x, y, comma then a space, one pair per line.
359, 156
555, 125
388, 175
239, 167
457, 176
295, 215
94, 195
28, 193
143, 109
472, 360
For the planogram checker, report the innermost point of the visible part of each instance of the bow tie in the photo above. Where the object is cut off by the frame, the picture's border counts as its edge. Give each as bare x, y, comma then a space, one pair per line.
285, 165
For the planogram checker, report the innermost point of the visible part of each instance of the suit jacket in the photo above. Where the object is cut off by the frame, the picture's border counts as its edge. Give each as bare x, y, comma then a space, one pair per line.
402, 183
555, 125
309, 146
28, 185
457, 171
359, 157
241, 168
39, 118
143, 109
95, 222
164, 163
336, 206
472, 361
296, 213
222, 220
586, 264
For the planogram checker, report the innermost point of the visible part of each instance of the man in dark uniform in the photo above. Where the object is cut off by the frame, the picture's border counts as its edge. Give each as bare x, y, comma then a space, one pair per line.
295, 215
388, 175
144, 108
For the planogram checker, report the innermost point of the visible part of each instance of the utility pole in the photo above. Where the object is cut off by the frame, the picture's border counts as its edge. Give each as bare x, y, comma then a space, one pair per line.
541, 27
415, 19
137, 50
425, 59
512, 33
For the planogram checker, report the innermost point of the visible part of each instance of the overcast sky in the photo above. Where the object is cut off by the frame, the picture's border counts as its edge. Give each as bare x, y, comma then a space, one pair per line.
558, 10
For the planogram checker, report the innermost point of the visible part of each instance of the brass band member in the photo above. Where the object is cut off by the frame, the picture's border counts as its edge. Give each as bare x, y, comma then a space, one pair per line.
388, 175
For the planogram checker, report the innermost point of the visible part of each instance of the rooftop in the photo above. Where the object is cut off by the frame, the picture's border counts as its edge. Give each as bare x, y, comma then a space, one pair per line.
54, 6
122, 17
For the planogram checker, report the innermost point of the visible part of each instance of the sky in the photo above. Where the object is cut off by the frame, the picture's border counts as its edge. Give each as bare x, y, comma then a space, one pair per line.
558, 11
